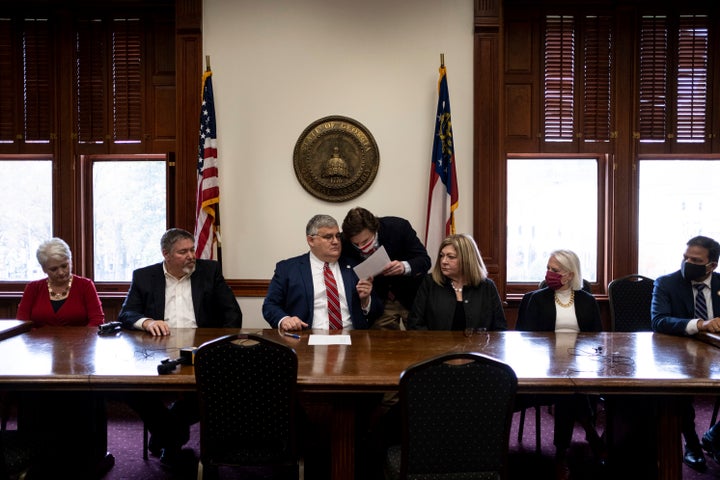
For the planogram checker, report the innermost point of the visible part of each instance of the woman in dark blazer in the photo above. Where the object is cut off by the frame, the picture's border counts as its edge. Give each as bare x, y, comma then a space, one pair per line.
565, 308
458, 294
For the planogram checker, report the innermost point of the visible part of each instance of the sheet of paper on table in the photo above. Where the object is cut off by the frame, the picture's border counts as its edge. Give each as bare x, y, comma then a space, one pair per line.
316, 339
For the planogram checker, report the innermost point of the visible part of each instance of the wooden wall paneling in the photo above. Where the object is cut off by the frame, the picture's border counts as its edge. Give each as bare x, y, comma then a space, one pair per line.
489, 167
518, 117
622, 249
162, 118
189, 66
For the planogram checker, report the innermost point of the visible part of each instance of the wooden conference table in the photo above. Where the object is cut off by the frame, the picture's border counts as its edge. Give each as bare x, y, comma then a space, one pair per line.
610, 363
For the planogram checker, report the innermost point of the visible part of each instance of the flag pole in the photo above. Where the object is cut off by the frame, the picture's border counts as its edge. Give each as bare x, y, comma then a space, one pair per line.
442, 60
216, 225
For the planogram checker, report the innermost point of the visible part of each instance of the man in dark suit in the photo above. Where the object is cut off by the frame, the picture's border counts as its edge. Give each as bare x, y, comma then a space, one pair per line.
363, 233
295, 297
299, 297
674, 311
179, 292
210, 302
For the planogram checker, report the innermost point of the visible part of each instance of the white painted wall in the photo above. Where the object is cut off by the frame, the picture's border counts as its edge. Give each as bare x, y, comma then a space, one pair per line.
279, 65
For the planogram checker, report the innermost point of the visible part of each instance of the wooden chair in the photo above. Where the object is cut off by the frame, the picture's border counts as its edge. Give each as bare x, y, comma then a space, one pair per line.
456, 414
247, 388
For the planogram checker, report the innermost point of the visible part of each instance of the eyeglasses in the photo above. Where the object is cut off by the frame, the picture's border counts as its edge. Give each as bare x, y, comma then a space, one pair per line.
329, 237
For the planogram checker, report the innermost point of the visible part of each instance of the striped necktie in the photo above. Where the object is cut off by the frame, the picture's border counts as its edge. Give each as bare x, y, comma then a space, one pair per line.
700, 303
333, 299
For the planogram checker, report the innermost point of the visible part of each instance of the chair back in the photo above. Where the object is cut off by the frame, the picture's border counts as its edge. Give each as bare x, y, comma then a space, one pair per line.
630, 298
247, 388
457, 410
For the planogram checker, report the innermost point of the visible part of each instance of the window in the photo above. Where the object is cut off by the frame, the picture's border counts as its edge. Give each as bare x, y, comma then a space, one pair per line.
87, 106
26, 215
624, 87
673, 80
566, 118
559, 79
677, 202
129, 216
552, 204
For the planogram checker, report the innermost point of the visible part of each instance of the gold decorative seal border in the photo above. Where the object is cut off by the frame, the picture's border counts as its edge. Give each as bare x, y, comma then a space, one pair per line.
336, 158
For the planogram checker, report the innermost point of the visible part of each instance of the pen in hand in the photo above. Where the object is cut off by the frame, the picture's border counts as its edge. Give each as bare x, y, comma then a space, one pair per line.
293, 335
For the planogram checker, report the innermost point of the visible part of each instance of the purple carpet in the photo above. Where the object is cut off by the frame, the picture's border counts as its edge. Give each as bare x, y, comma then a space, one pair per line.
125, 433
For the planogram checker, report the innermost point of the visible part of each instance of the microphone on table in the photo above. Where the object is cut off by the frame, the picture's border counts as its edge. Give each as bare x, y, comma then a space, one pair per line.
109, 327
187, 357
167, 365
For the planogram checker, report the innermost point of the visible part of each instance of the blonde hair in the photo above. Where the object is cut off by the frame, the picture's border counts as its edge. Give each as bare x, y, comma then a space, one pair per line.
570, 262
469, 257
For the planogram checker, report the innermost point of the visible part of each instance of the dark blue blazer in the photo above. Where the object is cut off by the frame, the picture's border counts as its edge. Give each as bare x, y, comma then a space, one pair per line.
401, 243
673, 304
213, 300
291, 293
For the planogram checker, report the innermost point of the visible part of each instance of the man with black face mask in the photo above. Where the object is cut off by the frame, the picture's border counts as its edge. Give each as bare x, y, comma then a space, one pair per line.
676, 310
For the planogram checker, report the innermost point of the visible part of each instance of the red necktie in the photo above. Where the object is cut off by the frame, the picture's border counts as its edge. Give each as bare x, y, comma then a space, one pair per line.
333, 300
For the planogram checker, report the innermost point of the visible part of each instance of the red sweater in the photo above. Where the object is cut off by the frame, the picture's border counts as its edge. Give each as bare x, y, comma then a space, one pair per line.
82, 307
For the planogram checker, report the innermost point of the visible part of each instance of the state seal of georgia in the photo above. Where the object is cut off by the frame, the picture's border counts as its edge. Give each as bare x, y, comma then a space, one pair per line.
336, 158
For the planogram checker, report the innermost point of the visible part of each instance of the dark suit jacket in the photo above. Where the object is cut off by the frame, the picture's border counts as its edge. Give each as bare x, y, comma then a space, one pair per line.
434, 307
673, 304
540, 312
213, 300
291, 293
401, 243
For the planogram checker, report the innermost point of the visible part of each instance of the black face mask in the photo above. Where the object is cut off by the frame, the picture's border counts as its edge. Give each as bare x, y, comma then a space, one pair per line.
691, 271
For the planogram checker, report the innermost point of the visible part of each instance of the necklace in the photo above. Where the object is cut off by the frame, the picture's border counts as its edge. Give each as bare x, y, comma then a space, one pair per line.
569, 303
59, 295
457, 289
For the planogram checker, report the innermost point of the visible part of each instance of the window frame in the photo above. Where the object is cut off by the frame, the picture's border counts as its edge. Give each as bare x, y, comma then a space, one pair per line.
87, 217
167, 124
604, 206
517, 119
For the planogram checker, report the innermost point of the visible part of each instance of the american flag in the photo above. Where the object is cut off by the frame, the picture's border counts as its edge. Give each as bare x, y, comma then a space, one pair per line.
443, 191
207, 224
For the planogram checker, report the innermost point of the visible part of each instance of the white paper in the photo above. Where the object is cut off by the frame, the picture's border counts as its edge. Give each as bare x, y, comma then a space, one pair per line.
316, 339
373, 265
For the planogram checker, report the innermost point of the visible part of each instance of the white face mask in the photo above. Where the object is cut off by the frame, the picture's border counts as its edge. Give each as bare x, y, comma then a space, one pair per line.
368, 248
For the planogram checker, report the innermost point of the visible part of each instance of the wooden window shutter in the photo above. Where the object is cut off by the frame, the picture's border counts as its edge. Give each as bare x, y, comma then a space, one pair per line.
37, 97
692, 79
597, 53
90, 81
559, 78
7, 83
653, 79
126, 80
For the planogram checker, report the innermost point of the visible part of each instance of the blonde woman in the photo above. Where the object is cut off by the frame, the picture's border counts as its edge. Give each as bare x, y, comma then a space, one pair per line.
458, 294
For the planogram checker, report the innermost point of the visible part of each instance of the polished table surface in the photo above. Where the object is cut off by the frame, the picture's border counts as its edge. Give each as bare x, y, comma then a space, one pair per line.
606, 362
643, 363
10, 328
